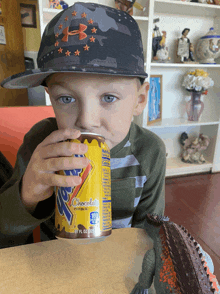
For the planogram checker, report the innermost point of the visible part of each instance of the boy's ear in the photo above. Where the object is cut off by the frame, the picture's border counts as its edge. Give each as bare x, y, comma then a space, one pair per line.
142, 99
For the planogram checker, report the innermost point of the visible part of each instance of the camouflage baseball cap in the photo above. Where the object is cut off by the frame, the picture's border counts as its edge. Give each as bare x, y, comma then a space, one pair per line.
86, 38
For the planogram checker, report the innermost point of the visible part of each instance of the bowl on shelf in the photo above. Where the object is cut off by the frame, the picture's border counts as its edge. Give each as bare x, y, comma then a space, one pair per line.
208, 47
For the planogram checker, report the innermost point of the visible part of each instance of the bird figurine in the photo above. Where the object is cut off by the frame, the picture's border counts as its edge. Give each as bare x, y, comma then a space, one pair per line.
192, 149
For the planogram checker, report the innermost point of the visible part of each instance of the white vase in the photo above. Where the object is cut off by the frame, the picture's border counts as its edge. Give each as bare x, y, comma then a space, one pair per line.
208, 47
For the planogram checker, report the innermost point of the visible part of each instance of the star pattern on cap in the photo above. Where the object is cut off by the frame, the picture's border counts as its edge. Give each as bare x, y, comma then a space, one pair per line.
90, 21
92, 39
67, 53
77, 52
86, 48
60, 50
93, 30
81, 32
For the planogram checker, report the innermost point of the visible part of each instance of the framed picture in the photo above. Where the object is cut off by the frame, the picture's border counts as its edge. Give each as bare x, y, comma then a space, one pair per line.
28, 15
155, 99
2, 35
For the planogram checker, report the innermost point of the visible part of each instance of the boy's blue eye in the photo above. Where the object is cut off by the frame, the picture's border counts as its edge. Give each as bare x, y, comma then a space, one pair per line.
66, 99
109, 98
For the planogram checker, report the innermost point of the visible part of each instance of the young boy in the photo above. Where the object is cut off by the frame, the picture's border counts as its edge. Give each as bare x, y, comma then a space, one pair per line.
91, 64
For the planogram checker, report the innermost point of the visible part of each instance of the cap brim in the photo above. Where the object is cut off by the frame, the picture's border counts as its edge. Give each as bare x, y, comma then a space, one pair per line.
35, 77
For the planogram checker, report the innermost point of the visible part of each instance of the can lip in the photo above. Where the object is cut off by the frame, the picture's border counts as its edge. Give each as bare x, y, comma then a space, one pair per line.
94, 134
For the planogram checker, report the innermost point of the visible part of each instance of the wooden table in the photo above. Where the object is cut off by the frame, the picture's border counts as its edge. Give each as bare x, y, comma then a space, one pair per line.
59, 266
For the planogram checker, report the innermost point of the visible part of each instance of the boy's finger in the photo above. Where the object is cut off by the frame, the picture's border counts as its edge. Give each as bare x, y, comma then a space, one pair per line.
65, 163
60, 135
63, 149
61, 181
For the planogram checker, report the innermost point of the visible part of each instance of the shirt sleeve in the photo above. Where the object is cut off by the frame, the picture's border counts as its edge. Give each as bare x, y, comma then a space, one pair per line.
14, 218
153, 194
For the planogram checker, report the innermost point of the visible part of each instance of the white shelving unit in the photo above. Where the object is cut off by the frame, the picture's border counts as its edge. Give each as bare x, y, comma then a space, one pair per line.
174, 17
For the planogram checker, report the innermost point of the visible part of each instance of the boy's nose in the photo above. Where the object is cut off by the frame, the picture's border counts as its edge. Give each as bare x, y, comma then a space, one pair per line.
88, 117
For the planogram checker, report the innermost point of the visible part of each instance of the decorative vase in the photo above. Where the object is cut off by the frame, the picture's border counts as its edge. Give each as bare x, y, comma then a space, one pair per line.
208, 47
195, 106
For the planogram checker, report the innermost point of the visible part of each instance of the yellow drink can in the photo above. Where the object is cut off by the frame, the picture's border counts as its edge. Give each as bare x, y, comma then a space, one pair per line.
84, 211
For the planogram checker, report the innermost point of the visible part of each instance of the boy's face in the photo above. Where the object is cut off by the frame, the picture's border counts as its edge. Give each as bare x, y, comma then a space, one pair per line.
101, 104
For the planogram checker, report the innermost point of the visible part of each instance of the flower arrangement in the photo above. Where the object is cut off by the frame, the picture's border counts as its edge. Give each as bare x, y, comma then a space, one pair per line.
197, 81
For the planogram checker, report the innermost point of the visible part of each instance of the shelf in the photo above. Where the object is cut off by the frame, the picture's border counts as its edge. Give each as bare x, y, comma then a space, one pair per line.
179, 65
186, 8
142, 18
175, 122
52, 10
189, 4
175, 166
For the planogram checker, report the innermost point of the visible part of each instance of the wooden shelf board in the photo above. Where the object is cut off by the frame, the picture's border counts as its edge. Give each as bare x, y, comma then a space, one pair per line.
193, 9
175, 122
190, 4
175, 166
179, 65
142, 18
52, 10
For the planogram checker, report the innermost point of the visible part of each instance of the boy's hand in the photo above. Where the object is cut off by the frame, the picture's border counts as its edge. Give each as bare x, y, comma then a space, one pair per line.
52, 155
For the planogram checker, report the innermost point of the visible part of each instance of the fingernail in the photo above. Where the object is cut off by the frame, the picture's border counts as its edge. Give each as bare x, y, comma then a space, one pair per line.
78, 181
77, 133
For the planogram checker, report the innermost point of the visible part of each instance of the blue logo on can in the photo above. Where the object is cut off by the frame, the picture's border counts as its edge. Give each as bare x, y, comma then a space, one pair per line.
94, 217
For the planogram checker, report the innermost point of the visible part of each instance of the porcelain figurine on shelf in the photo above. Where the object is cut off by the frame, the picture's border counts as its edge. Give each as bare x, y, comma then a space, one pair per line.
58, 4
127, 6
160, 51
191, 52
185, 48
192, 149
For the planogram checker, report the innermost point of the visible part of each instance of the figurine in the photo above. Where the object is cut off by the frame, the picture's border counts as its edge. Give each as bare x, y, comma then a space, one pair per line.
183, 46
177, 263
58, 4
156, 41
191, 52
127, 6
192, 148
160, 51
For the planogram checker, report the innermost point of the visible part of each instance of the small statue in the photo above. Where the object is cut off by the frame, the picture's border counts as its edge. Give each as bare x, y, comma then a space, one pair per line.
191, 52
160, 51
185, 49
58, 4
156, 41
127, 6
192, 149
